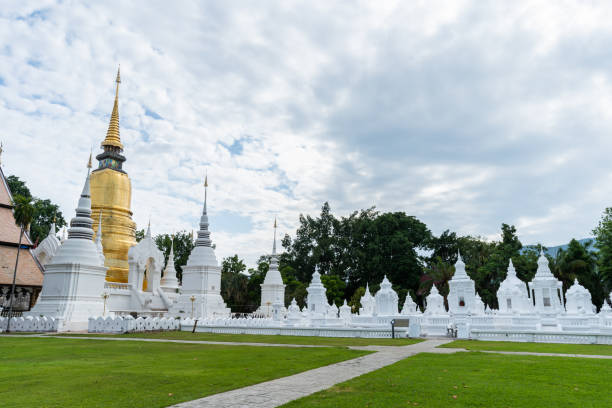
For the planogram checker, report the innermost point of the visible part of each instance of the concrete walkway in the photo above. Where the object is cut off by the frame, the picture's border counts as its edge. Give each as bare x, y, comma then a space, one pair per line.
280, 391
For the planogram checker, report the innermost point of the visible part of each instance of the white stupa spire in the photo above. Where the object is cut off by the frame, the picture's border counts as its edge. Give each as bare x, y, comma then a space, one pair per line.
204, 234
511, 270
460, 272
274, 244
169, 280
52, 229
80, 225
543, 267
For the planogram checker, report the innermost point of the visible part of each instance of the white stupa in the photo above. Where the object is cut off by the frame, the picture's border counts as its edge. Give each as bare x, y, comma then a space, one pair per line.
578, 300
169, 282
201, 289
47, 247
386, 299
367, 303
317, 298
546, 289
410, 307
435, 303
74, 278
462, 291
273, 287
512, 295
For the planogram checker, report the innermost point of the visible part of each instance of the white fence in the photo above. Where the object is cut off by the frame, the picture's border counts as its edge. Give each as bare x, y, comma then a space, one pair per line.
29, 324
127, 324
269, 327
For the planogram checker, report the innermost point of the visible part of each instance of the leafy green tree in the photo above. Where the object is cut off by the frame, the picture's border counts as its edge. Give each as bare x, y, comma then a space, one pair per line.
234, 283
18, 187
45, 212
334, 287
603, 242
438, 273
578, 262
139, 235
355, 301
183, 245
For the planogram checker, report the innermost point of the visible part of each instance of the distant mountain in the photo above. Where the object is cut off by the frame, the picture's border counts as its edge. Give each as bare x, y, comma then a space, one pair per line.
552, 251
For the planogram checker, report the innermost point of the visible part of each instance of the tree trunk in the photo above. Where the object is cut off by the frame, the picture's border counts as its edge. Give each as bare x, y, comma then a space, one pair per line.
8, 323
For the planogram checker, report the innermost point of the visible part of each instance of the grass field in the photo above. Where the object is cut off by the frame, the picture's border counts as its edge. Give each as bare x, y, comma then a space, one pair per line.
48, 372
591, 349
474, 380
252, 338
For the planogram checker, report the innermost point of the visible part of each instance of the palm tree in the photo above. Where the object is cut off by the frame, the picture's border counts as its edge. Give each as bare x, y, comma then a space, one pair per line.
23, 211
439, 274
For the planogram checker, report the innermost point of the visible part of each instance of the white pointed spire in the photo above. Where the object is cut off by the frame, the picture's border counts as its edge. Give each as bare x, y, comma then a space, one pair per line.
203, 234
274, 244
460, 272
148, 234
52, 229
80, 225
511, 270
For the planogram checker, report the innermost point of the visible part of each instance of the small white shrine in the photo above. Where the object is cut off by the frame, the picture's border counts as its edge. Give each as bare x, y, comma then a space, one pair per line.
386, 299
273, 288
513, 295
317, 298
546, 290
462, 297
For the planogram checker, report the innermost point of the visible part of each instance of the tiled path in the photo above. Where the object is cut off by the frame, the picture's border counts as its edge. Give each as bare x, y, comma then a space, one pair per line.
278, 392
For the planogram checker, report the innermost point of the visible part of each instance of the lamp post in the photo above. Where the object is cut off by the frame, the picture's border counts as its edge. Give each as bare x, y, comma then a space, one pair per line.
105, 296
192, 298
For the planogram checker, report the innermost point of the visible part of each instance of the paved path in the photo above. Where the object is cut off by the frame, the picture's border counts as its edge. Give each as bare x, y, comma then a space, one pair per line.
280, 391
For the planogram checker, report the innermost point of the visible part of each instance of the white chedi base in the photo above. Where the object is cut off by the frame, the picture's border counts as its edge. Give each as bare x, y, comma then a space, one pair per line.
72, 292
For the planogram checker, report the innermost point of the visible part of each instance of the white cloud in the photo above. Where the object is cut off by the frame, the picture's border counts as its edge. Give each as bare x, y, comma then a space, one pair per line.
462, 113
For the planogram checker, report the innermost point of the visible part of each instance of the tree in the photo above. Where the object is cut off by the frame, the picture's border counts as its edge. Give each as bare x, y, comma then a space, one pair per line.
183, 245
355, 301
139, 235
578, 262
603, 242
23, 212
334, 287
18, 187
234, 283
45, 212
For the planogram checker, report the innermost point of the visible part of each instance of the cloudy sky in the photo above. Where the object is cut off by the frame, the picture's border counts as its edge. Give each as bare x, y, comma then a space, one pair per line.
465, 114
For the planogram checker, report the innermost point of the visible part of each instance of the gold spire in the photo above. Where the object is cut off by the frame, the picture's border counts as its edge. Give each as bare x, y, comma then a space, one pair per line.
112, 134
274, 222
89, 162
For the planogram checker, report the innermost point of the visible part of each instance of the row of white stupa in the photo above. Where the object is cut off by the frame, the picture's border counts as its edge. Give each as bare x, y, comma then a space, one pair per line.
74, 289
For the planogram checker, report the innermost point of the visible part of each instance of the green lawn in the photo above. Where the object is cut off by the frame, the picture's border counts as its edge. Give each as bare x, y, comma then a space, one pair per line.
51, 372
600, 349
474, 380
253, 338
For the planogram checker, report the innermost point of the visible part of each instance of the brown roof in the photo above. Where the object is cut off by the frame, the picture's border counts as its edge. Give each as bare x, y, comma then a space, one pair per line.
5, 196
29, 272
9, 231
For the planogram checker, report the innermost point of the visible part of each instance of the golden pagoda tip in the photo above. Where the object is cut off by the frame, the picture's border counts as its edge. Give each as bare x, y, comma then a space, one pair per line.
89, 161
206, 179
118, 80
274, 222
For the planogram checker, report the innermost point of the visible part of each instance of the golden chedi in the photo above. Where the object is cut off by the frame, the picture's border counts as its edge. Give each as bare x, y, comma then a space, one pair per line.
111, 193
